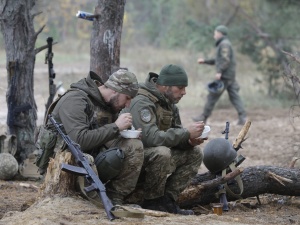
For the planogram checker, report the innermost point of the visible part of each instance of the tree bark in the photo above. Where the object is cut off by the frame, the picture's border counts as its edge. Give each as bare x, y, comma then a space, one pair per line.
106, 37
16, 22
57, 181
256, 180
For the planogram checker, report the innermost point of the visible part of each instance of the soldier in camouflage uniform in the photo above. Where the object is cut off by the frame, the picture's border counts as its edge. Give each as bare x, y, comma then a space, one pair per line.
89, 114
225, 66
172, 155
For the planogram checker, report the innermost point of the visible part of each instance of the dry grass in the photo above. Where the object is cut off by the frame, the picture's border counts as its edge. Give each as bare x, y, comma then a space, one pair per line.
71, 65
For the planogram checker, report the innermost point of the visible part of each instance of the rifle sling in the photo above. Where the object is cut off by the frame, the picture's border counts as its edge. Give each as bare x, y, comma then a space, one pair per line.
238, 180
126, 211
117, 210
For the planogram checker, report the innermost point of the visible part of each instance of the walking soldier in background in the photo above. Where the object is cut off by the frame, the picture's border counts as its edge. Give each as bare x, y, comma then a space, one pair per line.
225, 64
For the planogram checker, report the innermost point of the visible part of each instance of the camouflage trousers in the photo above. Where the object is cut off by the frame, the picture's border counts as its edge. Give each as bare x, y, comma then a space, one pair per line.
125, 182
232, 88
169, 171
118, 188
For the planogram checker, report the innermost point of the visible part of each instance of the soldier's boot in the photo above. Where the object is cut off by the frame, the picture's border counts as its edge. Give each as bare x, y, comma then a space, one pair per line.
165, 204
242, 120
200, 117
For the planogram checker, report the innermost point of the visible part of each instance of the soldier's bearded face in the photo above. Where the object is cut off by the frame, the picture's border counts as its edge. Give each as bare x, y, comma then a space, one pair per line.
175, 93
119, 101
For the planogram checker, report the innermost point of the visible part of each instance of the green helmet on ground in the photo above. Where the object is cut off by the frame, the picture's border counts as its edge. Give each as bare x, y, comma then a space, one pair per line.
109, 163
218, 154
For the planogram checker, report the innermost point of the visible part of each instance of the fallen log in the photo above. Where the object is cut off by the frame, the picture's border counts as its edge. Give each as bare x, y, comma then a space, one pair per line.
257, 180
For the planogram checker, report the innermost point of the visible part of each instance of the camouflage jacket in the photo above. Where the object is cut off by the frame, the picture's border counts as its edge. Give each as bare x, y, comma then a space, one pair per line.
224, 59
85, 117
159, 119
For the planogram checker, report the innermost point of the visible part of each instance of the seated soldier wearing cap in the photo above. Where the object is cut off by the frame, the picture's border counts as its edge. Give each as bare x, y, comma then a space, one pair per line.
89, 114
172, 155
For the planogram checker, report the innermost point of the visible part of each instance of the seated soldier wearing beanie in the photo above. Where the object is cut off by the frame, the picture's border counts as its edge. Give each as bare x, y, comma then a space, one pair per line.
172, 155
89, 114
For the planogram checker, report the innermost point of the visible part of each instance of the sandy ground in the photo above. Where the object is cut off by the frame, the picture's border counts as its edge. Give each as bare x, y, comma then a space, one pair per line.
273, 140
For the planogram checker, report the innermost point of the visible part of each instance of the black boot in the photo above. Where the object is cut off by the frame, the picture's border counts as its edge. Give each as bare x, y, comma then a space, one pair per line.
165, 204
242, 120
172, 207
155, 204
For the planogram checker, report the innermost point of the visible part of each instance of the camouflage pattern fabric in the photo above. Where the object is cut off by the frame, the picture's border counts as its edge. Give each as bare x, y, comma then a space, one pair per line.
126, 181
168, 171
170, 161
89, 122
123, 82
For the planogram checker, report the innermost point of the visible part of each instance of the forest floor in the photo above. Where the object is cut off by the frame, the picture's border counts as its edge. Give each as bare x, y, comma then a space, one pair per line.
273, 139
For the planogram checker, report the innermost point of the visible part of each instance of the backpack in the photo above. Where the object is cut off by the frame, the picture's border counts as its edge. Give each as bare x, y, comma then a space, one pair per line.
45, 140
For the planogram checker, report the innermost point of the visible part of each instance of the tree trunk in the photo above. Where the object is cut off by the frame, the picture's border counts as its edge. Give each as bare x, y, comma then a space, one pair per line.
256, 180
16, 22
57, 181
106, 37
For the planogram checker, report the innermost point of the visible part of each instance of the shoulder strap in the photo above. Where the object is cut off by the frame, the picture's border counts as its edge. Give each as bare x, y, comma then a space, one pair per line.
148, 94
238, 180
52, 106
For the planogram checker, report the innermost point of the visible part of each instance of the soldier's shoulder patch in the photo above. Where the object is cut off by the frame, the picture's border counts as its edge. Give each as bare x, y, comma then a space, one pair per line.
145, 115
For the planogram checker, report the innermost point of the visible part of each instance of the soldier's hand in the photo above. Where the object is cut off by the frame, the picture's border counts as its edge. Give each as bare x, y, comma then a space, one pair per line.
196, 141
196, 129
200, 60
218, 76
124, 121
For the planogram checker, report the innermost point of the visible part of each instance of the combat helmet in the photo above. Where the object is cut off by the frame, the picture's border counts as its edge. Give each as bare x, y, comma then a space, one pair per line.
215, 87
218, 155
221, 157
109, 163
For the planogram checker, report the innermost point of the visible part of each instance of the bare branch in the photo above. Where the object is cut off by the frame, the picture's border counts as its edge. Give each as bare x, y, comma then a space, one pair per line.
241, 137
39, 31
195, 189
292, 56
36, 14
37, 50
279, 179
292, 164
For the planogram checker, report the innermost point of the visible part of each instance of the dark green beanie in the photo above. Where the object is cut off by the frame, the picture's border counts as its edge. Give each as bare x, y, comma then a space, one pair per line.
223, 29
172, 75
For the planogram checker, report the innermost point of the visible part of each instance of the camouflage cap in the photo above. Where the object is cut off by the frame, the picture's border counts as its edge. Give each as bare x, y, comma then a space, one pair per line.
123, 82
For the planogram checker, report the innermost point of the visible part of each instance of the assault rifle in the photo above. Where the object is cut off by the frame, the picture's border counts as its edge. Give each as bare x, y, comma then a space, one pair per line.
84, 169
52, 86
221, 188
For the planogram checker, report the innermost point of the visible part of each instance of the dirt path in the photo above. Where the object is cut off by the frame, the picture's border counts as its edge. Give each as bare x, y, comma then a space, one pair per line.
273, 140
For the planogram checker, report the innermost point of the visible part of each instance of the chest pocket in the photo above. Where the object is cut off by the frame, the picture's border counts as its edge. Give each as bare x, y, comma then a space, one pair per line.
102, 117
165, 118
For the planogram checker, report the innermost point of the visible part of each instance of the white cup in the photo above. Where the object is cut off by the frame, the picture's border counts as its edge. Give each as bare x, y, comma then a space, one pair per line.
205, 131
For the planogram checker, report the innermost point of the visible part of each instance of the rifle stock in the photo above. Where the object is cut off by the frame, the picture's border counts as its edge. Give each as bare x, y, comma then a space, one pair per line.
52, 86
84, 169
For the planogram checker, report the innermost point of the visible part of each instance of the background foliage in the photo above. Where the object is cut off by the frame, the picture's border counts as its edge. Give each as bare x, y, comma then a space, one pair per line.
156, 32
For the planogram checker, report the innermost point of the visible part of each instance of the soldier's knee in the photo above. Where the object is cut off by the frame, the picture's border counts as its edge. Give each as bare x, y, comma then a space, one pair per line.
163, 152
197, 154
